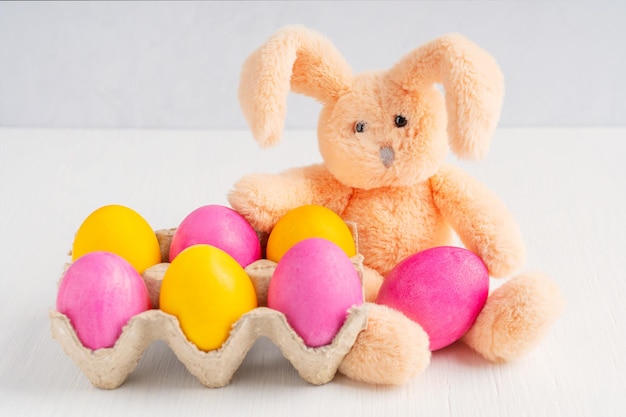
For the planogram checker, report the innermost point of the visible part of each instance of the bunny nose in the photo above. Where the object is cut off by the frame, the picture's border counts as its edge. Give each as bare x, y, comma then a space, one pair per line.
387, 155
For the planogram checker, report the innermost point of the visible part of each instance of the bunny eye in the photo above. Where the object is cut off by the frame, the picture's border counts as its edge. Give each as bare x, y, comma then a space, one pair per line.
400, 121
359, 127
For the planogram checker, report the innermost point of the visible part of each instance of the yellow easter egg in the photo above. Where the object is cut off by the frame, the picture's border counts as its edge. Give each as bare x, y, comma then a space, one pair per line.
119, 230
208, 291
307, 222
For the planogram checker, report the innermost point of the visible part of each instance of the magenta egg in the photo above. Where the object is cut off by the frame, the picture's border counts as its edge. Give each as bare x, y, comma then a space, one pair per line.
100, 292
221, 227
443, 289
314, 285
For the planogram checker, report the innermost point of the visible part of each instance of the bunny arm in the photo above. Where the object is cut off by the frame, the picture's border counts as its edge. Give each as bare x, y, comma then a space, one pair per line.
481, 220
264, 198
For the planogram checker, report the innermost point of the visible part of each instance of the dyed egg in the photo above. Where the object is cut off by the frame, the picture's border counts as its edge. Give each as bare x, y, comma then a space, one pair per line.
99, 293
221, 227
208, 291
308, 222
314, 285
443, 289
119, 230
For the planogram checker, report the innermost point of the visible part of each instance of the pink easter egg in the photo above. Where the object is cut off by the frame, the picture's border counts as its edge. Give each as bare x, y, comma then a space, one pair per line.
221, 227
314, 285
443, 289
100, 292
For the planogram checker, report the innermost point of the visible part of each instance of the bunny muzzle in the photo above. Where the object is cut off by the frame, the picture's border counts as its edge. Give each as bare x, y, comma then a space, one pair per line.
387, 155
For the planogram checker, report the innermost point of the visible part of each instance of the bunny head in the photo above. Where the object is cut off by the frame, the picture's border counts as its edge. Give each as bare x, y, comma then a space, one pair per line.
385, 128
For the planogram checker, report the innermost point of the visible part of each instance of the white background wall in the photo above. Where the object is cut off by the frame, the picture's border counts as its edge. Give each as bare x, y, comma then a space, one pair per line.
176, 65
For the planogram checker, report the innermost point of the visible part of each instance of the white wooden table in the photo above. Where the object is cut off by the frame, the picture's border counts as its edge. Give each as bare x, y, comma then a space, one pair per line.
566, 187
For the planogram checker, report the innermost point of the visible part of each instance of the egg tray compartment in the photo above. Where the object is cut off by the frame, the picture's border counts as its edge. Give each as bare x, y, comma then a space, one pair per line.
108, 368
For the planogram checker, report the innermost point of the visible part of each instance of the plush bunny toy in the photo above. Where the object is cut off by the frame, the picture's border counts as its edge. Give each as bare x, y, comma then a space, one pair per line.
384, 137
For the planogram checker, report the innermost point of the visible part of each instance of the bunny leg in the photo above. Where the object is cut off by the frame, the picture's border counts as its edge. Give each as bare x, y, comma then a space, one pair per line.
389, 351
515, 318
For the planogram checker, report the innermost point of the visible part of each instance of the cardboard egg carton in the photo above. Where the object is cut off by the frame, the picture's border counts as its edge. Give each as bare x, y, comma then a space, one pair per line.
108, 368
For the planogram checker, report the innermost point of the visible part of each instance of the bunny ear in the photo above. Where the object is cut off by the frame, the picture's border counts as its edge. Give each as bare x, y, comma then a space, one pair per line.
473, 84
294, 57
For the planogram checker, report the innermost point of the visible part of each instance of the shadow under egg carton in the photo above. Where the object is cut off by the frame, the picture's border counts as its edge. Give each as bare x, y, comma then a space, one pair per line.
108, 368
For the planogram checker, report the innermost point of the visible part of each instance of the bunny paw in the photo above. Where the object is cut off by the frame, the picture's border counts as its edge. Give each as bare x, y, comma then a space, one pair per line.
391, 350
263, 199
516, 317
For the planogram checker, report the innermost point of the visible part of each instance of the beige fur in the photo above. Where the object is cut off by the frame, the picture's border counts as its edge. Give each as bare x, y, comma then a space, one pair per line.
403, 204
482, 221
517, 316
289, 59
395, 346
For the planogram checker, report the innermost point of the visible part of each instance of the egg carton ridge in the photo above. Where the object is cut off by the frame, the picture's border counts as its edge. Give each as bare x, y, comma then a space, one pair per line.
108, 368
